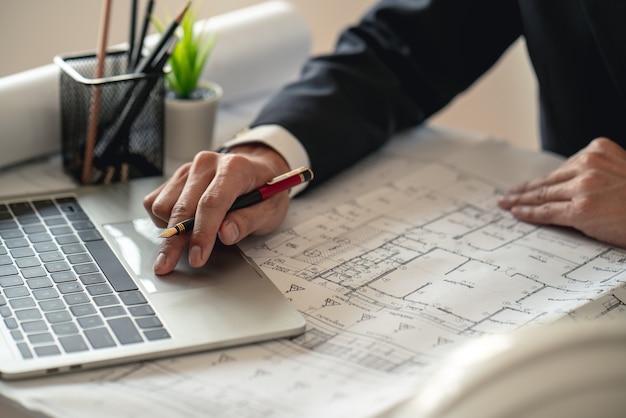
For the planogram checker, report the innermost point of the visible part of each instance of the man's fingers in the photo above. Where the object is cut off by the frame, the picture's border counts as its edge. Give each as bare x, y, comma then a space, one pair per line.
257, 219
165, 197
537, 196
562, 174
169, 253
553, 213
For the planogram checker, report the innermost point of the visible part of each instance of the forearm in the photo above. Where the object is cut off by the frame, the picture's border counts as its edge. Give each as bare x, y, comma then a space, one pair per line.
402, 63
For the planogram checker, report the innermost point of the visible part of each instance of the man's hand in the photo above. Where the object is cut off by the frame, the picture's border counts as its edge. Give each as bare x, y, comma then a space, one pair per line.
206, 188
587, 192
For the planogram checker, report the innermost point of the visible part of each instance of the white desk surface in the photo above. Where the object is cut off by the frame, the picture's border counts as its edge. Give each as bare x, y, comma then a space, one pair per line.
394, 263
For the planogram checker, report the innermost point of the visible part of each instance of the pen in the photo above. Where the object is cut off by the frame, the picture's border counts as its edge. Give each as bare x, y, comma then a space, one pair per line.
146, 63
276, 185
142, 35
131, 31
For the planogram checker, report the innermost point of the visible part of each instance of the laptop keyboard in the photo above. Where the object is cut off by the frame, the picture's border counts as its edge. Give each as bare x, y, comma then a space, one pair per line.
62, 289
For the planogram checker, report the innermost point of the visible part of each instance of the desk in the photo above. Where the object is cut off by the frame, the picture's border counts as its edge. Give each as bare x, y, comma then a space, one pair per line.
392, 272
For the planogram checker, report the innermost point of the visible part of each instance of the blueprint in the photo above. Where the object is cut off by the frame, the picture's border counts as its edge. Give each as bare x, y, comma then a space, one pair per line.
396, 263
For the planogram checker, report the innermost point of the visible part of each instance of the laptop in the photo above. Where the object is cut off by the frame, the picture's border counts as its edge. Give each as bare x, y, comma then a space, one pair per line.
77, 289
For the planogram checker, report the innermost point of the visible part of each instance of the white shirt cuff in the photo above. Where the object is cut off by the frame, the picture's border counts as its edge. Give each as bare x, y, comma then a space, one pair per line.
282, 141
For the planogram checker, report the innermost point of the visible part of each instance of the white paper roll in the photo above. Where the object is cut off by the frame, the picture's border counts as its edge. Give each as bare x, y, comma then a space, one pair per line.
30, 122
258, 48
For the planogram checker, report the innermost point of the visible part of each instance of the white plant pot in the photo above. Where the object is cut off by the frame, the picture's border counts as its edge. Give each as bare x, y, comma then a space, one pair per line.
190, 124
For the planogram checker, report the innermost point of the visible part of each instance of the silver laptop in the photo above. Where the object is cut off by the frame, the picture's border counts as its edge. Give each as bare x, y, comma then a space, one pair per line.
77, 289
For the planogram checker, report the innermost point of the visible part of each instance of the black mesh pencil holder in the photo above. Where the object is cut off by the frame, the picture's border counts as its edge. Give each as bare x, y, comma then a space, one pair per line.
128, 140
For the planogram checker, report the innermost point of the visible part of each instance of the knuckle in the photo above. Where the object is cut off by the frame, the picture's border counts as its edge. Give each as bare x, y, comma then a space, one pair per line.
209, 199
180, 211
602, 143
542, 194
589, 180
203, 158
147, 202
237, 164
583, 206
590, 159
586, 181
159, 209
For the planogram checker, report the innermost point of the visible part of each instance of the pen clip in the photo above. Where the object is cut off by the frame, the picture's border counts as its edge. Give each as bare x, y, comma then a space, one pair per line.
291, 173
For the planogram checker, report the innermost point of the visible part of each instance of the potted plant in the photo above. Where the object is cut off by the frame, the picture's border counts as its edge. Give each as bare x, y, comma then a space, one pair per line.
190, 103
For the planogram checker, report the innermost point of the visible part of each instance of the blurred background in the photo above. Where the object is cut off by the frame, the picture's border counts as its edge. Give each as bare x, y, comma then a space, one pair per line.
501, 104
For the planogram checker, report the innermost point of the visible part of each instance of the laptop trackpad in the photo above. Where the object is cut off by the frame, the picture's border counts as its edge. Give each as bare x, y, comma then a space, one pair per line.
137, 243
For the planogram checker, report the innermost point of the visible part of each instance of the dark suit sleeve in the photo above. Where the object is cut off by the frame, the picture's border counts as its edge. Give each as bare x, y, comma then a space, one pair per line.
403, 62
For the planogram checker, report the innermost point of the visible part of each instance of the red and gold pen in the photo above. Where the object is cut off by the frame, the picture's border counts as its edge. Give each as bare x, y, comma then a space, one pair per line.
276, 185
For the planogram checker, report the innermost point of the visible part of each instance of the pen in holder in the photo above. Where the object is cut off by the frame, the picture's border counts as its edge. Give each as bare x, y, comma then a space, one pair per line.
129, 120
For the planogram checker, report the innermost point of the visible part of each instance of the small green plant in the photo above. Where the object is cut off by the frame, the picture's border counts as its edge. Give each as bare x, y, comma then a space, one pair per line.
189, 56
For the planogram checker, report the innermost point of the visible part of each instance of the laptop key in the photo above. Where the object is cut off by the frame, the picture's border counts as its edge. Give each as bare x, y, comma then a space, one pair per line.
22, 252
111, 266
100, 338
27, 262
28, 314
8, 281
22, 303
5, 312
51, 305
8, 270
90, 235
90, 321
125, 330
24, 350
133, 298
106, 300
45, 293
47, 350
46, 207
40, 283
16, 292
149, 322
43, 338
141, 310
58, 317
66, 328
75, 298
82, 310
73, 343
33, 272
21, 208
34, 326
11, 323
157, 334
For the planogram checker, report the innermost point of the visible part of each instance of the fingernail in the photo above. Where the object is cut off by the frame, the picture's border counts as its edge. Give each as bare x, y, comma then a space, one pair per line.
229, 233
160, 262
520, 211
195, 256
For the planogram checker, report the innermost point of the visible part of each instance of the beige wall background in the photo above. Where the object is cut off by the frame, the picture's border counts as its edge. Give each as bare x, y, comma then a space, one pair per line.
501, 104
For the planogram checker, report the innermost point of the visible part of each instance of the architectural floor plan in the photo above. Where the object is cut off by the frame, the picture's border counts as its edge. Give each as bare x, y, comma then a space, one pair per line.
395, 264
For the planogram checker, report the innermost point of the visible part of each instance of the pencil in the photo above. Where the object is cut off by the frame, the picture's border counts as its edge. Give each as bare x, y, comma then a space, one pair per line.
276, 185
94, 111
